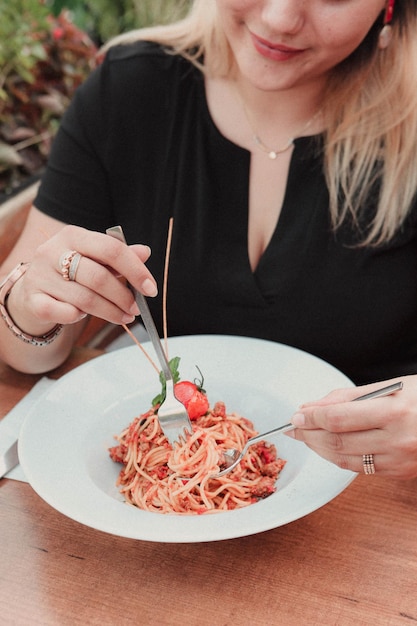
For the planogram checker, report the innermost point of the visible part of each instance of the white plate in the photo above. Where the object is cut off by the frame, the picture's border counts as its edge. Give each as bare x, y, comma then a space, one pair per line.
64, 440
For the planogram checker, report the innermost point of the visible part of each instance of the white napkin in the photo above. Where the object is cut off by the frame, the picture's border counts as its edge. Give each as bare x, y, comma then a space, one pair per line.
10, 424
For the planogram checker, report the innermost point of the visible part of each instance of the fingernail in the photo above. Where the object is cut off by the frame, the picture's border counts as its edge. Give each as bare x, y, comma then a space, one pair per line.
128, 319
79, 318
134, 309
298, 419
149, 288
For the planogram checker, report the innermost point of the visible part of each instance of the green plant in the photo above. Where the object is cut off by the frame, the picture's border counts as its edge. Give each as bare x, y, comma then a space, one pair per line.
104, 19
45, 53
43, 59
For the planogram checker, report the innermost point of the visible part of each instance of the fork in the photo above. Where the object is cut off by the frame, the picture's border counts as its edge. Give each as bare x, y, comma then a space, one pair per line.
232, 457
172, 414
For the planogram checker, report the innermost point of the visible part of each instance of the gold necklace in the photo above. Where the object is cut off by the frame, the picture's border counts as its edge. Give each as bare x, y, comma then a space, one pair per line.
273, 154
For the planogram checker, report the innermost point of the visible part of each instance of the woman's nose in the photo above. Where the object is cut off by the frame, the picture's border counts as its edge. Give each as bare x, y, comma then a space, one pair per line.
284, 16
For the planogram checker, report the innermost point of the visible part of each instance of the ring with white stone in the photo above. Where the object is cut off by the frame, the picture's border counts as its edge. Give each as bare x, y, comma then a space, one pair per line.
69, 262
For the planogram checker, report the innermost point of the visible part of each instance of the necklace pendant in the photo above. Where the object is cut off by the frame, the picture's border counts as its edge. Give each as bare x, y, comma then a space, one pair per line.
272, 155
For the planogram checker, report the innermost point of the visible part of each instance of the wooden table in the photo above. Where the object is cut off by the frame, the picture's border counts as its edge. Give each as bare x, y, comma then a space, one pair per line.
353, 562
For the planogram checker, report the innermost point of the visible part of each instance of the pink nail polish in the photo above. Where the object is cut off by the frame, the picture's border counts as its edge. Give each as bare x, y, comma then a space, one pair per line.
298, 419
149, 288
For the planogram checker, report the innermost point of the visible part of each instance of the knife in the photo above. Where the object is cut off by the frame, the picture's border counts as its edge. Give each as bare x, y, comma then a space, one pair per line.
9, 459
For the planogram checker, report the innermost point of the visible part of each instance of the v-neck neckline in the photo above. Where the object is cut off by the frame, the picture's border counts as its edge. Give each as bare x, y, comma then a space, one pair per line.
301, 144
230, 171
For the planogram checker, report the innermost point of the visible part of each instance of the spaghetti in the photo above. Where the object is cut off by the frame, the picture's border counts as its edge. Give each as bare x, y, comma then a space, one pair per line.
159, 478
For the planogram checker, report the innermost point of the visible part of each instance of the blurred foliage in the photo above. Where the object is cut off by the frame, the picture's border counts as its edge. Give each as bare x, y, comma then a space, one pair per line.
19, 50
47, 48
104, 19
43, 59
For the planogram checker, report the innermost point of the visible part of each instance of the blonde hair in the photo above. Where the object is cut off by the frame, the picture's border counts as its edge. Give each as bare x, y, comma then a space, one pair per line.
370, 111
371, 136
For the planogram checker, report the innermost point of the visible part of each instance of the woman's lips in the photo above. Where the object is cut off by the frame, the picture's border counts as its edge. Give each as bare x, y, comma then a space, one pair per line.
274, 51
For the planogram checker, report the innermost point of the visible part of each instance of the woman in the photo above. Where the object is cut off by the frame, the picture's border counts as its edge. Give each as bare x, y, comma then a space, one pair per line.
281, 137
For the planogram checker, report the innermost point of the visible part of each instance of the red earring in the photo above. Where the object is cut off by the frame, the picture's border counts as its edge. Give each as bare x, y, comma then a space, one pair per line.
389, 12
385, 35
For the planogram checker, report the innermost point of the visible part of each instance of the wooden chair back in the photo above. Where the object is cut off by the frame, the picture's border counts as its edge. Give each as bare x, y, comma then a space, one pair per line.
13, 214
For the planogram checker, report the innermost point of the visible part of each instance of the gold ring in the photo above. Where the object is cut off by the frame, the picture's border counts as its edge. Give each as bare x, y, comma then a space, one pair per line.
72, 271
368, 464
69, 264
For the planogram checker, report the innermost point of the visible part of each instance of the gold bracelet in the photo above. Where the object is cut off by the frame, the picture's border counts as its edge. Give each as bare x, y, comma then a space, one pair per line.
5, 289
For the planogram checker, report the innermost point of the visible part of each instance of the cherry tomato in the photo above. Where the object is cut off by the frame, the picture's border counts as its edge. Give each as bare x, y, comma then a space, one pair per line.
194, 400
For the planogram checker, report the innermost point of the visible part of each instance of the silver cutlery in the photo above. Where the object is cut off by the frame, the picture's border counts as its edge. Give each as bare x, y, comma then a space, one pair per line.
232, 457
172, 414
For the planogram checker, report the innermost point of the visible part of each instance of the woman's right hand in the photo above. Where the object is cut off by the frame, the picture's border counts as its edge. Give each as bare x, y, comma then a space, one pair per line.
42, 298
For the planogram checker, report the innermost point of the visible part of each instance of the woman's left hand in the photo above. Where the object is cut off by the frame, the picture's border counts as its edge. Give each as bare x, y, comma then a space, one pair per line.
343, 431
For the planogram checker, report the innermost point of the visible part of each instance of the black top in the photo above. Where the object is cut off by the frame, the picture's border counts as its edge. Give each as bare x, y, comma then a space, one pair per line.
138, 145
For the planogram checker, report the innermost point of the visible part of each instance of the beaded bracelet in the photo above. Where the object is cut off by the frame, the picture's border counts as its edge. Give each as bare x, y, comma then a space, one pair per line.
5, 288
